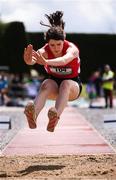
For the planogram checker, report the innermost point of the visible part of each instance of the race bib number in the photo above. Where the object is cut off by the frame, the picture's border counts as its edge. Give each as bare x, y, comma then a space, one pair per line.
62, 70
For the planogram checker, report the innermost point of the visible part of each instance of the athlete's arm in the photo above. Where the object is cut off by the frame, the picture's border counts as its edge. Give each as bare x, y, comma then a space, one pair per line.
32, 57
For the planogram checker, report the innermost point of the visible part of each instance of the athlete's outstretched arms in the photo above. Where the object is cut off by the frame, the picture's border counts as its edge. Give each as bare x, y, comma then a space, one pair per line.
31, 57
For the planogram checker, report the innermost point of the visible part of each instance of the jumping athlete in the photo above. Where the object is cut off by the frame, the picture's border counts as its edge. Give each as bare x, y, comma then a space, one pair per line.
61, 61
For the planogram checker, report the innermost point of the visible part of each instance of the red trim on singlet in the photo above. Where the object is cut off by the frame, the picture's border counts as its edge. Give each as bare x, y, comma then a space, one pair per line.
69, 70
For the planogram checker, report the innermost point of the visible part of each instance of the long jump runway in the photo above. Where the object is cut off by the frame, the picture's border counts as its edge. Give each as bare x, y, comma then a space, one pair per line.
73, 135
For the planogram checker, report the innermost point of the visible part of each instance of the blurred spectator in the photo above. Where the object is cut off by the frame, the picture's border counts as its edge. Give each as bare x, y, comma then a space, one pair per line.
32, 84
115, 82
108, 85
3, 88
16, 86
31, 88
97, 80
91, 89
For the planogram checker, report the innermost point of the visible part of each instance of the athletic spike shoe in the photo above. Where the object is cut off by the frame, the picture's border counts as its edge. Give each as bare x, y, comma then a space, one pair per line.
31, 115
53, 119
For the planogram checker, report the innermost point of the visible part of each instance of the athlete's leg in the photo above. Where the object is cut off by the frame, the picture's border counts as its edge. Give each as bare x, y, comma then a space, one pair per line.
106, 97
69, 90
111, 98
48, 88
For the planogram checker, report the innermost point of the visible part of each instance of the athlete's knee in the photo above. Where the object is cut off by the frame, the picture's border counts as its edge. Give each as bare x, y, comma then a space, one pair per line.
48, 85
66, 85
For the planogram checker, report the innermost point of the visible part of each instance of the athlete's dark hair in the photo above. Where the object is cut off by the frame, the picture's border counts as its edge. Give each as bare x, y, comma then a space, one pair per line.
56, 27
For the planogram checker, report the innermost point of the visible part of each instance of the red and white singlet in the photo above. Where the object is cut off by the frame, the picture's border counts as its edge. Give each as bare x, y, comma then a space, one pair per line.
70, 70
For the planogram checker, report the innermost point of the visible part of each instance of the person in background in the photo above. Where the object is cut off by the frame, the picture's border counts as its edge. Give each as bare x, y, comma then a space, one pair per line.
108, 85
4, 88
61, 61
97, 82
93, 87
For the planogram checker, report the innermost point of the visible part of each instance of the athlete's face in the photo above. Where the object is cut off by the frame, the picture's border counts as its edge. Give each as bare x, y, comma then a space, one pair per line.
56, 47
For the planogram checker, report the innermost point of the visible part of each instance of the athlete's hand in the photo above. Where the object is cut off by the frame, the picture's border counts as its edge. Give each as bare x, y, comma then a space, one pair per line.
41, 59
30, 55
